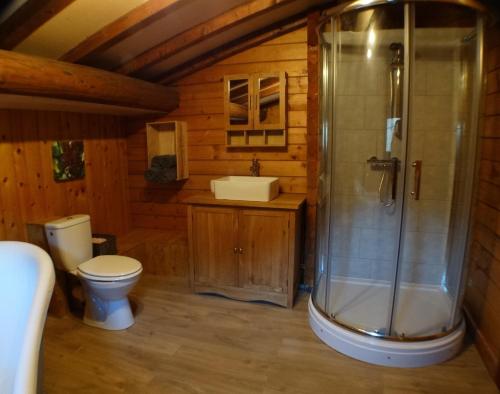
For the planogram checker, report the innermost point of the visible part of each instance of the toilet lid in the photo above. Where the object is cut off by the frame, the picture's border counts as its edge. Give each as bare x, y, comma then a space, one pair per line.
110, 266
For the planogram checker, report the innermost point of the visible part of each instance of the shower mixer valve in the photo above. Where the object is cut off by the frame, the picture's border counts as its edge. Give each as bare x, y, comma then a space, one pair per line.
377, 164
390, 166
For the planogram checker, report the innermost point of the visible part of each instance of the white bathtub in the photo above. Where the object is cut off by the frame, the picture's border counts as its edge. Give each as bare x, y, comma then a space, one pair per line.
26, 284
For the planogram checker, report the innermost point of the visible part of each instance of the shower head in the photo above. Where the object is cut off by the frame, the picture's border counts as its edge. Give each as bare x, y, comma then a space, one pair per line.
469, 37
396, 46
397, 56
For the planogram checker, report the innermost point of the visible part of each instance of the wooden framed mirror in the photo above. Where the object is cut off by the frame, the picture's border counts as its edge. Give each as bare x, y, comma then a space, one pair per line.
270, 101
238, 94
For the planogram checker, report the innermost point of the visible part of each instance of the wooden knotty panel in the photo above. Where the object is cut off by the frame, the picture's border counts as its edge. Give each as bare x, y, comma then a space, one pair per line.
201, 106
214, 241
482, 300
162, 253
263, 237
28, 191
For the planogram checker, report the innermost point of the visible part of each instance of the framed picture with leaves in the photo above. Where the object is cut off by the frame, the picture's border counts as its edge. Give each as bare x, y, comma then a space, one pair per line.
68, 160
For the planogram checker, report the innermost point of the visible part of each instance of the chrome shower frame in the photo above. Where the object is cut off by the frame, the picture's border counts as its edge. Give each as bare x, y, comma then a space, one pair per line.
409, 6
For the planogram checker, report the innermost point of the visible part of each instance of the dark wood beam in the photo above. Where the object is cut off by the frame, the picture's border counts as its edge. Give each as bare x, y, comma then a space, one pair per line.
121, 28
228, 50
26, 75
27, 18
192, 36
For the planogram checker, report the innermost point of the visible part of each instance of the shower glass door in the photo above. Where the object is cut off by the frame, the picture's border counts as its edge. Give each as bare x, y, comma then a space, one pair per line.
440, 156
368, 151
398, 103
324, 173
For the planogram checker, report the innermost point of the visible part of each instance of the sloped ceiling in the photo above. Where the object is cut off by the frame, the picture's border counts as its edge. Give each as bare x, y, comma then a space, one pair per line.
189, 13
72, 25
9, 7
272, 16
141, 38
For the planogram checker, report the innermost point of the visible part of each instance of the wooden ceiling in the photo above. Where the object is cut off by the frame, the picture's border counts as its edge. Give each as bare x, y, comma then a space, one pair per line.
155, 40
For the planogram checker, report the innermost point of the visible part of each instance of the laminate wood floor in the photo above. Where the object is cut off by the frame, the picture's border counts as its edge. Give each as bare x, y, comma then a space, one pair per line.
187, 343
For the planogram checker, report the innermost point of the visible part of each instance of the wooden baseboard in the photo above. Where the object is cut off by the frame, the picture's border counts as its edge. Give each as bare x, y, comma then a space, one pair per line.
490, 359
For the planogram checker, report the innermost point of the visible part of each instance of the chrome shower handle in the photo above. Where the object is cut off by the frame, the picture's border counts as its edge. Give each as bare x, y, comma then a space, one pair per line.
417, 165
395, 165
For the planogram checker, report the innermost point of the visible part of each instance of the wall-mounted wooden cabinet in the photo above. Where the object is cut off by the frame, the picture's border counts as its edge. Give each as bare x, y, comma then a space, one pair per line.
245, 253
255, 109
169, 138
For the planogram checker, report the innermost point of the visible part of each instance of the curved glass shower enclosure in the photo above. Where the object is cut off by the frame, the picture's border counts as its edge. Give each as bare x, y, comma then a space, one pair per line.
399, 93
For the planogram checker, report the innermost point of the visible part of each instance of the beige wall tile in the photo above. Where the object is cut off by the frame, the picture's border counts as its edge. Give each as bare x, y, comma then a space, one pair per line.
436, 182
351, 78
377, 243
348, 178
441, 76
439, 147
434, 216
355, 145
349, 114
424, 248
376, 111
345, 241
431, 113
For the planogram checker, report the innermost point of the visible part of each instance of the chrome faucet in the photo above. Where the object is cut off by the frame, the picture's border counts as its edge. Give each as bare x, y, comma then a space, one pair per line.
255, 167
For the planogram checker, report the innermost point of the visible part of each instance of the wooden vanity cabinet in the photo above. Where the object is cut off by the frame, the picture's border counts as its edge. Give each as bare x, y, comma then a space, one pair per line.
246, 253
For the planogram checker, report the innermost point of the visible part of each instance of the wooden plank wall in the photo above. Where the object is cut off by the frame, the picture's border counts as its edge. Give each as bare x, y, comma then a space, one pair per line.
482, 301
161, 252
201, 106
28, 191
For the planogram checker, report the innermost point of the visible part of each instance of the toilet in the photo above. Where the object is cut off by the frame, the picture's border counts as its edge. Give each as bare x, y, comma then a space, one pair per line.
106, 279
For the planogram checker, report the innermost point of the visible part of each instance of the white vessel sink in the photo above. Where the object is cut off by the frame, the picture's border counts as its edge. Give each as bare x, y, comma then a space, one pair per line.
246, 188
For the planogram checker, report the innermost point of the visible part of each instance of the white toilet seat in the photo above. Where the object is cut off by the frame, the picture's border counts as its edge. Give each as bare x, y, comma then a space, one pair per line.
108, 278
109, 268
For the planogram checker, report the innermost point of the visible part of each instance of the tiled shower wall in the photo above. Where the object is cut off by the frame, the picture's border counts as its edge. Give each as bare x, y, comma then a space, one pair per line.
363, 235
365, 232
436, 125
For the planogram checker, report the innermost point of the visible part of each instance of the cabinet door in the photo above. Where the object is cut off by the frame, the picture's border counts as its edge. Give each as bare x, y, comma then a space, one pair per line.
238, 94
214, 246
270, 108
263, 258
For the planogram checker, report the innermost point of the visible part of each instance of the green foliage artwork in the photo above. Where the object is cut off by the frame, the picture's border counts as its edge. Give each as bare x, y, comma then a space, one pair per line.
68, 161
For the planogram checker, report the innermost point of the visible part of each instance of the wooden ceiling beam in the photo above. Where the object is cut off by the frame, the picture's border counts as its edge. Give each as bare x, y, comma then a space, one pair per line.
230, 49
190, 37
30, 76
28, 18
121, 28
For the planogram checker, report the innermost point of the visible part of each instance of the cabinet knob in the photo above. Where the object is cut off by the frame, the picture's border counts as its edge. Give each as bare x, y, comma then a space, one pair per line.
235, 250
241, 250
